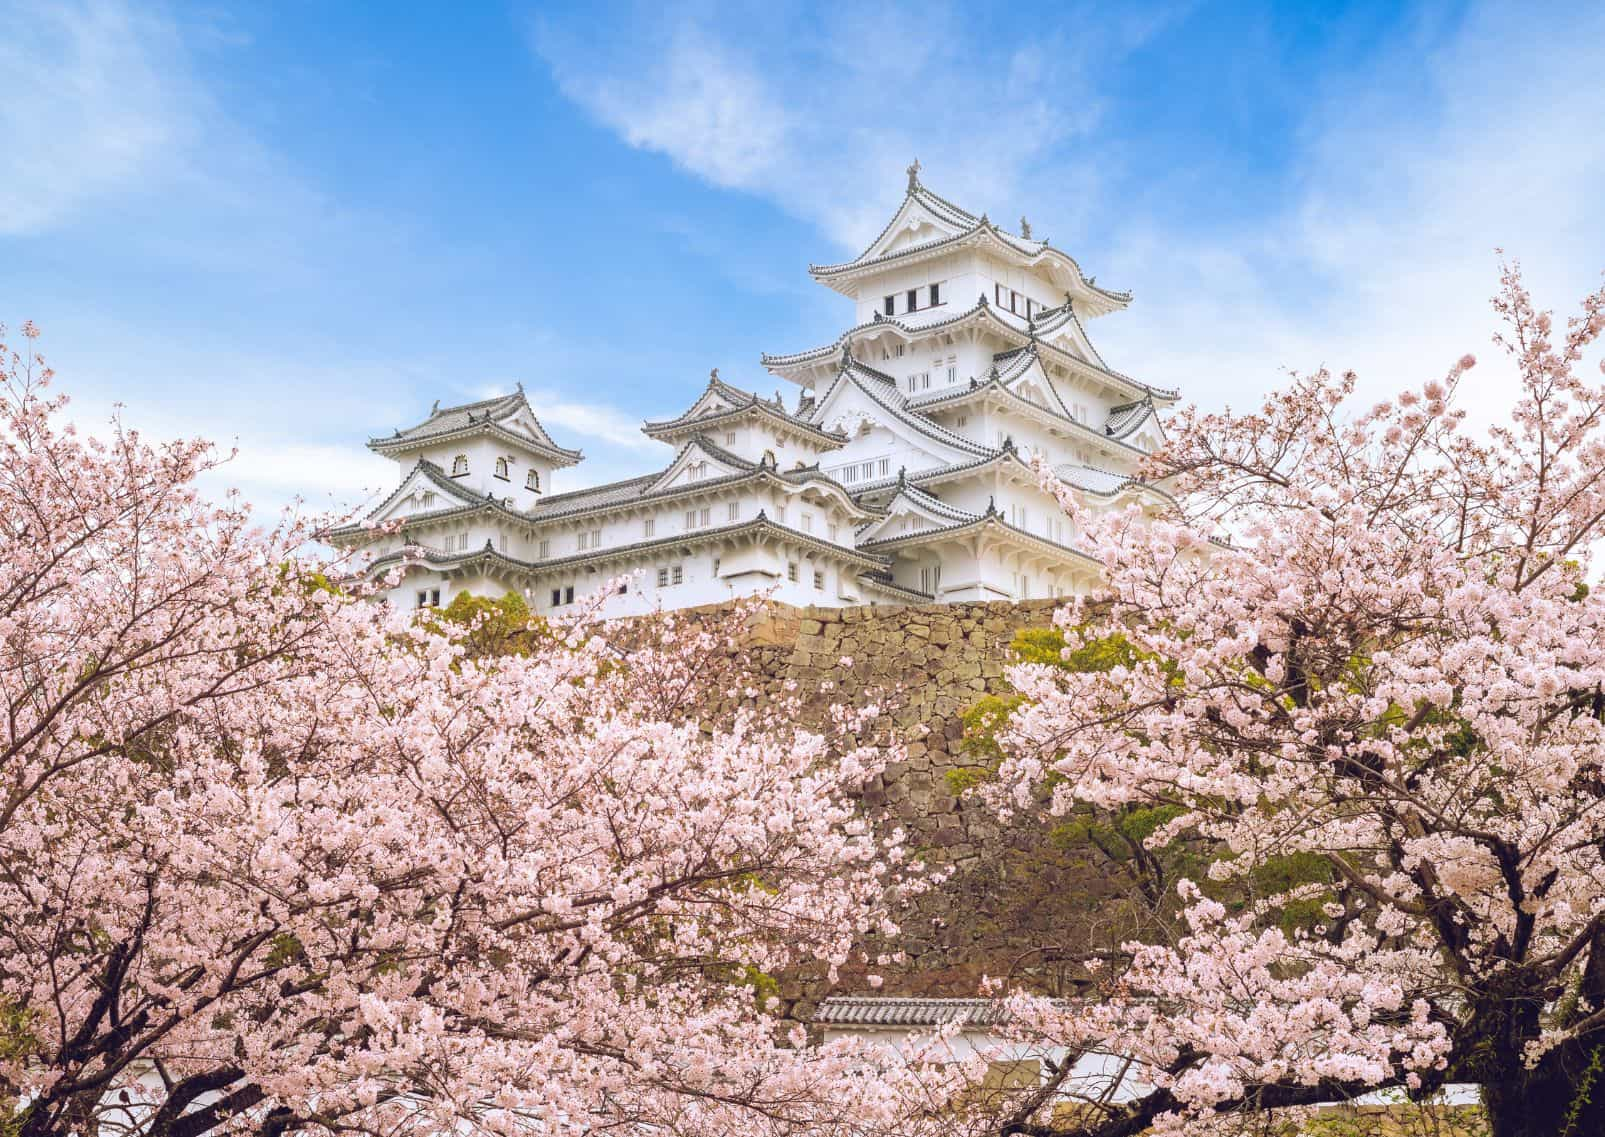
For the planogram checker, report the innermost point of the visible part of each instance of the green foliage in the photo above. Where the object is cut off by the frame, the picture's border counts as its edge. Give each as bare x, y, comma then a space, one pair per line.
286, 949
1115, 834
1100, 653
987, 717
1284, 872
489, 626
18, 1045
764, 986
1585, 1089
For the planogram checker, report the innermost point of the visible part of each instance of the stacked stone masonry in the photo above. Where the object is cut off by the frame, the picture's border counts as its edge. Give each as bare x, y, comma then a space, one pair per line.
1014, 892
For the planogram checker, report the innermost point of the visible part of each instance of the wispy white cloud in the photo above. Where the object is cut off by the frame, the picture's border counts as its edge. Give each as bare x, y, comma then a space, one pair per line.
1407, 170
823, 119
586, 420
582, 420
1382, 259
93, 99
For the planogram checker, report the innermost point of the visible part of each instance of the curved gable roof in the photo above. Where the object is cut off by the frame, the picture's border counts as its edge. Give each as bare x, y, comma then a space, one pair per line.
507, 415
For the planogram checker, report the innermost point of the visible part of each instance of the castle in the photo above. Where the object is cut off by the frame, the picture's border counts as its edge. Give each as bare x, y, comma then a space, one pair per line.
900, 472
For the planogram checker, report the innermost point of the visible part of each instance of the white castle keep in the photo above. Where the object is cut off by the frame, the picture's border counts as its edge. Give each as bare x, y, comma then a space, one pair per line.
900, 473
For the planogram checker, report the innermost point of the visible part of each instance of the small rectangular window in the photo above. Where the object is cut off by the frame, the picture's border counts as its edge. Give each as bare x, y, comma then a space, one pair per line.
819, 581
544, 549
808, 522
729, 438
913, 299
791, 571
690, 519
963, 420
936, 295
703, 518
897, 350
997, 294
557, 597
884, 465
888, 305
952, 374
568, 595
835, 530
735, 510
1014, 298
663, 578
676, 574
649, 526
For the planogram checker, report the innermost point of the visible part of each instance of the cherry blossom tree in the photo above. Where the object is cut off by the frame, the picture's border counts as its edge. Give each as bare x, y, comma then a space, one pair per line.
274, 859
1353, 689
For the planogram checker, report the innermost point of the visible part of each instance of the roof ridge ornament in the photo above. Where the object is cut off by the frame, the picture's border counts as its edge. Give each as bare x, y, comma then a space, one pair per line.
914, 176
992, 506
433, 410
713, 376
1025, 227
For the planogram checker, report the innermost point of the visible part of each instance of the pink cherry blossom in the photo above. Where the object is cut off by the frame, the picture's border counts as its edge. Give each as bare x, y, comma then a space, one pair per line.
273, 859
1389, 672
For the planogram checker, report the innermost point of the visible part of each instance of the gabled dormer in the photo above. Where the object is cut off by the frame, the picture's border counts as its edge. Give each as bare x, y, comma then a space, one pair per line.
747, 426
912, 510
701, 460
494, 447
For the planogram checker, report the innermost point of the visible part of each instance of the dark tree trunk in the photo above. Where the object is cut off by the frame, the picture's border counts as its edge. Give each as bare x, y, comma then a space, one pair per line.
1563, 1097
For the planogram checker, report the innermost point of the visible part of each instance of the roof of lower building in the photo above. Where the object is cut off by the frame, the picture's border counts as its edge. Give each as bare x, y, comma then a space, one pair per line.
1009, 324
510, 415
739, 404
893, 1011
1127, 417
487, 553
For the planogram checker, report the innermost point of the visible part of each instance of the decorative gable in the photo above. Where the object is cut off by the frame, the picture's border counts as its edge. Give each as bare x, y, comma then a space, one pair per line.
698, 461
912, 511
915, 223
424, 490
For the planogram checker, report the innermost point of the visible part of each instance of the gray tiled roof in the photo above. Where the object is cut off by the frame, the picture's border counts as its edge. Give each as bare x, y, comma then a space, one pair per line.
762, 523
981, 227
497, 412
984, 309
893, 401
889, 1010
1127, 417
743, 402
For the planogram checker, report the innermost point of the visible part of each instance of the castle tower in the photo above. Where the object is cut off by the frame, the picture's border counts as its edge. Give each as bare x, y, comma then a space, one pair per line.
902, 470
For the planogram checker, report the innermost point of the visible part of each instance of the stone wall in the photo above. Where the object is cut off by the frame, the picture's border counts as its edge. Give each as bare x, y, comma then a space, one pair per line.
1015, 892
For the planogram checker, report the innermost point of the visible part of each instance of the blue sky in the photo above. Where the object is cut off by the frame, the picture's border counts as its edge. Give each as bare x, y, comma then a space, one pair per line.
291, 226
